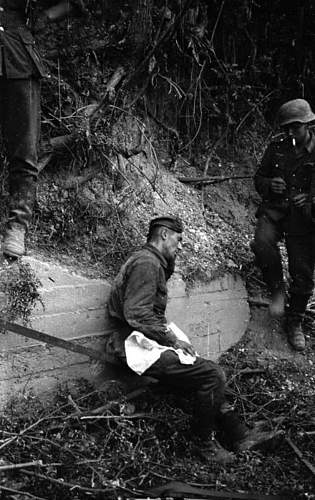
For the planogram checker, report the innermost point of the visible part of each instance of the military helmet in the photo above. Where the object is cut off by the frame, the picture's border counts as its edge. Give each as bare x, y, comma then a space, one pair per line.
297, 110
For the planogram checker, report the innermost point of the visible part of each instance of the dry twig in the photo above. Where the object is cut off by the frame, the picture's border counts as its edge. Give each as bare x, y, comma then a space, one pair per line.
299, 454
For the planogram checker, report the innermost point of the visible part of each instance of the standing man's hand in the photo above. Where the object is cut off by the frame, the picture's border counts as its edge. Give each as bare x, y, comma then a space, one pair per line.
278, 185
300, 200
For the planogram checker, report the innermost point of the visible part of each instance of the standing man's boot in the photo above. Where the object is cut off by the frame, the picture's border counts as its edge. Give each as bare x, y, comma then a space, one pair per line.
22, 195
297, 308
14, 240
295, 334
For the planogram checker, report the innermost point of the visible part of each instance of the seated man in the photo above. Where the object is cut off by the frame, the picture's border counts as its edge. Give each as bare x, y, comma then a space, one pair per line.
141, 338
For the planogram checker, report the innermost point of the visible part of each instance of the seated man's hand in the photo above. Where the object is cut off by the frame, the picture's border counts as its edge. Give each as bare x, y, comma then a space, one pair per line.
300, 200
185, 347
278, 185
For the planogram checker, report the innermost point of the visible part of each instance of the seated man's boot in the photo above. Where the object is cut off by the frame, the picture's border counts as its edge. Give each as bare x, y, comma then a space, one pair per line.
238, 437
210, 450
277, 303
14, 240
295, 334
230, 428
255, 438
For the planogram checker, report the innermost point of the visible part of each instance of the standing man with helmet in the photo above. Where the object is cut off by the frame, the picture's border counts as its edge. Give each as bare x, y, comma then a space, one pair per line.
21, 69
284, 180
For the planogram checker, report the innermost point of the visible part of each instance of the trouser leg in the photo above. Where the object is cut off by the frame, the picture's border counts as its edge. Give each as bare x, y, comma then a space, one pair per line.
267, 253
20, 109
204, 378
301, 256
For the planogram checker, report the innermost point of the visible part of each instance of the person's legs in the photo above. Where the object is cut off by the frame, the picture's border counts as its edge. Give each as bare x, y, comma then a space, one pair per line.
211, 412
301, 256
21, 129
268, 258
206, 380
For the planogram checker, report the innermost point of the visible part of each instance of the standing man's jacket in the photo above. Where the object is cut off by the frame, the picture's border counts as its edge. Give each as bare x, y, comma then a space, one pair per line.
280, 160
138, 301
19, 57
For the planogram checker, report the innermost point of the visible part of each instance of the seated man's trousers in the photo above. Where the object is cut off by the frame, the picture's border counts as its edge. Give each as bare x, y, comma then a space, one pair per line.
205, 379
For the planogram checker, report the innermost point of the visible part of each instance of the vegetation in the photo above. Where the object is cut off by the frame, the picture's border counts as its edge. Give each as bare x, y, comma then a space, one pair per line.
19, 292
109, 443
190, 87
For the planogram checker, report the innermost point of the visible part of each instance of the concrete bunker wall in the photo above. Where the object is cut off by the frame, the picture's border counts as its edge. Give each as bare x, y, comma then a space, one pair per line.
214, 315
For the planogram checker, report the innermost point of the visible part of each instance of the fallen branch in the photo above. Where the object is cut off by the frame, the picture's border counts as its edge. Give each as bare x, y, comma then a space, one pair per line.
95, 46
20, 492
212, 180
110, 90
78, 487
53, 146
58, 143
299, 454
117, 417
36, 463
183, 490
65, 484
128, 153
246, 371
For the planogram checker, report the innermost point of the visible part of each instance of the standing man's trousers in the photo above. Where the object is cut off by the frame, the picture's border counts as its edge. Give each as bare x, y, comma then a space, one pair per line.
301, 258
20, 124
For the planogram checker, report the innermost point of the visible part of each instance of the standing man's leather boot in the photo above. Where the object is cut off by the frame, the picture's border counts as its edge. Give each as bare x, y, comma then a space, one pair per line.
297, 308
22, 195
14, 240
295, 334
277, 303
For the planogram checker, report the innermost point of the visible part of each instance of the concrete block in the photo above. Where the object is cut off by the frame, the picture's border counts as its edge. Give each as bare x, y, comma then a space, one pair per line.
70, 298
213, 315
43, 359
46, 384
52, 275
73, 325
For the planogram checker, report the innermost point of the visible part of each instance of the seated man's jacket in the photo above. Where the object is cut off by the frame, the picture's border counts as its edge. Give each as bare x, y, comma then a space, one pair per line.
138, 301
280, 160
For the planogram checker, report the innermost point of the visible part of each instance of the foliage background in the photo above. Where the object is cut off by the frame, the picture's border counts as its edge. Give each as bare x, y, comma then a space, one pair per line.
199, 88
